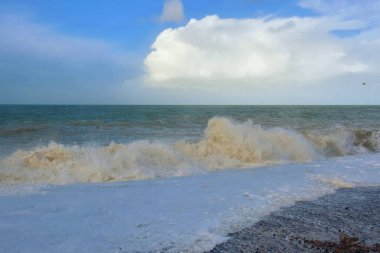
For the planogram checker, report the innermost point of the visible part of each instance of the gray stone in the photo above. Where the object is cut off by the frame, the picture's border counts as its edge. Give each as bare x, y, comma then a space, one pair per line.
346, 221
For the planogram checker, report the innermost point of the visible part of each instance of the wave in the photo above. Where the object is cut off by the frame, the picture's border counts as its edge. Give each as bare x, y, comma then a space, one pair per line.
226, 144
340, 141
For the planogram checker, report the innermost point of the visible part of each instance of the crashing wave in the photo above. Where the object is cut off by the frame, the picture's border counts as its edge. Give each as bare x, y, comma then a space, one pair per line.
226, 144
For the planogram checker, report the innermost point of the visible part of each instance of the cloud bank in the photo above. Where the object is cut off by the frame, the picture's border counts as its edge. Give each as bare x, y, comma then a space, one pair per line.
269, 51
284, 49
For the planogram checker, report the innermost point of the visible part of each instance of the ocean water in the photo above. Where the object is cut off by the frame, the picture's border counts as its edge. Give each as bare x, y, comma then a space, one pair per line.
69, 144
170, 178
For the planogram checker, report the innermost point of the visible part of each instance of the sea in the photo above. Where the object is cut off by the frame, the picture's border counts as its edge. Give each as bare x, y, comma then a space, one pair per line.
67, 144
169, 178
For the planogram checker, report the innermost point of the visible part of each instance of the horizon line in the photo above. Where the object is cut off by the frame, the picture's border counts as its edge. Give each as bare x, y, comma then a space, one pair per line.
15, 104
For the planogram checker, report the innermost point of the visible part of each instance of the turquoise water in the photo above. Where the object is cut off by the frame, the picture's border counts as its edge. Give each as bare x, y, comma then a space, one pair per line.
63, 144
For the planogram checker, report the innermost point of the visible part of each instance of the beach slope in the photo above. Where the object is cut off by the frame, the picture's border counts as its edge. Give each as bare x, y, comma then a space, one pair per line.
346, 221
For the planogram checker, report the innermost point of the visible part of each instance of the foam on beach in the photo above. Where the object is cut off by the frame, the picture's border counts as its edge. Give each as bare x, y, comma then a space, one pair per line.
175, 214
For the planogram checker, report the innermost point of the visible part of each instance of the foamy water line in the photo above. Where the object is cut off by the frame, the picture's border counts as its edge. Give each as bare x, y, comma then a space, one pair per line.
225, 144
185, 214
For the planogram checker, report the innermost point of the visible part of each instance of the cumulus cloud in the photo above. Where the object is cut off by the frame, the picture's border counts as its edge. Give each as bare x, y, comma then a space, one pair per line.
277, 50
173, 11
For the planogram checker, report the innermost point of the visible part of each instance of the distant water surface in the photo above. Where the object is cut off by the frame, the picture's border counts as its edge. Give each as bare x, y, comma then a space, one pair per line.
25, 126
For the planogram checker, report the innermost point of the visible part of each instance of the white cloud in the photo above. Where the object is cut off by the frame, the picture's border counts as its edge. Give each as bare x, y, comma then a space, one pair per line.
173, 11
253, 51
362, 9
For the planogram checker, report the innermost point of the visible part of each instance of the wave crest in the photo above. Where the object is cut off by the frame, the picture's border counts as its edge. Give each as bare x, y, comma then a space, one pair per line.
230, 144
226, 144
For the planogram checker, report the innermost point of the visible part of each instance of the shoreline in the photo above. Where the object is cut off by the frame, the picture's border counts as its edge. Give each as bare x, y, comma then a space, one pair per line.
345, 221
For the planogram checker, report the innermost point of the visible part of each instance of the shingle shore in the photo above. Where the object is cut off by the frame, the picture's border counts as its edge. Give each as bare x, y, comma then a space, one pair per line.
346, 221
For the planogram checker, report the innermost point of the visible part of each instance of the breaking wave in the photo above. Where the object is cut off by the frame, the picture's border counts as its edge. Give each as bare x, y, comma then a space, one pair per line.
226, 144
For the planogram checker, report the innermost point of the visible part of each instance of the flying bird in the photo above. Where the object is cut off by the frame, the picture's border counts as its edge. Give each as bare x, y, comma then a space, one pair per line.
364, 83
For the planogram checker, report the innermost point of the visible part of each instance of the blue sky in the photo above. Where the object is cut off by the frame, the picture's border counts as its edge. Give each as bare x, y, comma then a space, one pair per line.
133, 24
189, 52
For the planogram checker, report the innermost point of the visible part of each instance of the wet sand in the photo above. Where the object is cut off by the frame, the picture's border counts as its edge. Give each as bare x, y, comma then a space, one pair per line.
346, 221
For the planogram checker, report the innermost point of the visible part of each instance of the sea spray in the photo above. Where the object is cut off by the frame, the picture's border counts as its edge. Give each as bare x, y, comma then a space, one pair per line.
230, 144
225, 144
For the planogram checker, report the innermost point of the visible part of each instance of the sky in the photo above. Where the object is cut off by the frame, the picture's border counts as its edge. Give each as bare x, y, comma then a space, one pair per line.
190, 52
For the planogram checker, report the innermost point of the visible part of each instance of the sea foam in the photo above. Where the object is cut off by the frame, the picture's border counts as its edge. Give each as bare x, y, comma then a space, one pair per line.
225, 144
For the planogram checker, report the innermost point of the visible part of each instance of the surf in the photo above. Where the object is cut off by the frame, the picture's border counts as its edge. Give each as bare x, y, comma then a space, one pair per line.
225, 144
